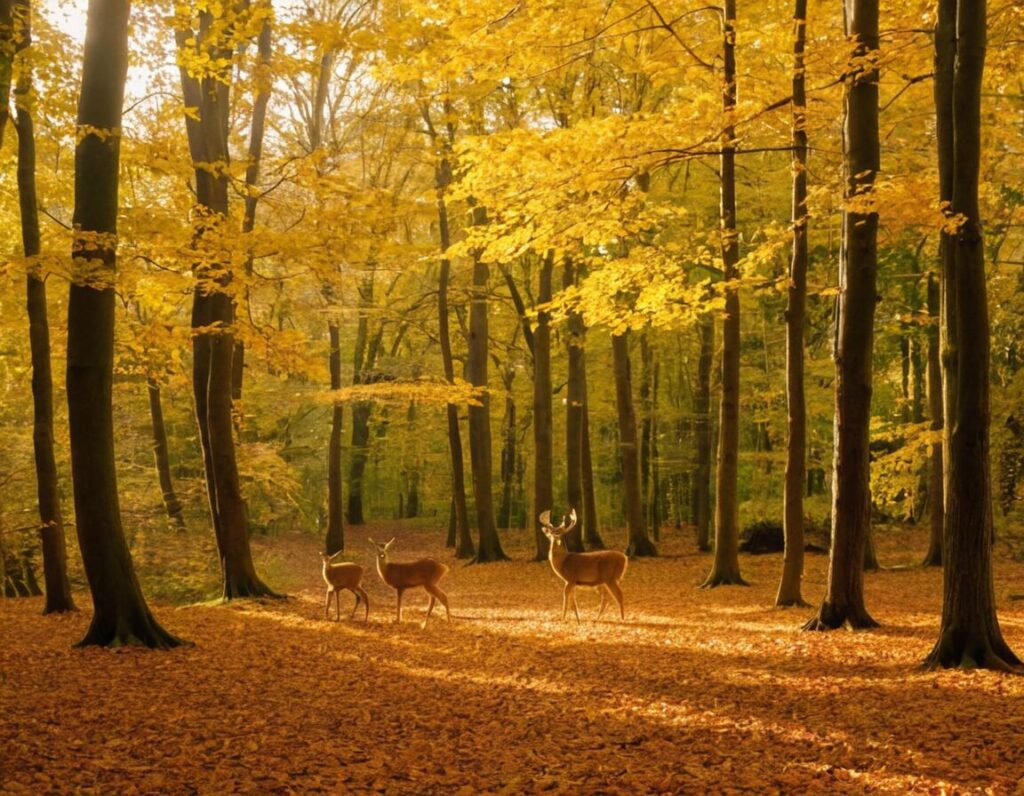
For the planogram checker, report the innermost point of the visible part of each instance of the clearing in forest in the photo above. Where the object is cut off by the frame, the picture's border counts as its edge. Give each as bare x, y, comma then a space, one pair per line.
696, 691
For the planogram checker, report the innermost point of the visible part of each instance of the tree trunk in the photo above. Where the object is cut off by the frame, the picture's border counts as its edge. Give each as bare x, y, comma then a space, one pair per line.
488, 541
637, 541
462, 542
648, 477
364, 360
160, 456
121, 615
335, 538
508, 451
591, 529
969, 635
51, 523
726, 567
936, 502
796, 445
213, 319
543, 461
264, 84
575, 405
851, 485
702, 421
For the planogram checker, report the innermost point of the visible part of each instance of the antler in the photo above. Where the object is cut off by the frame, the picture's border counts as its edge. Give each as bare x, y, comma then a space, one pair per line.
571, 521
568, 523
545, 518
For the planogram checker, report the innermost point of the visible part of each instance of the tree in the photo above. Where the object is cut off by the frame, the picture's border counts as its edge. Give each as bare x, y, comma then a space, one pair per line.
726, 567
543, 462
969, 635
701, 497
796, 448
488, 541
206, 68
575, 406
851, 484
120, 612
936, 501
15, 37
637, 541
160, 455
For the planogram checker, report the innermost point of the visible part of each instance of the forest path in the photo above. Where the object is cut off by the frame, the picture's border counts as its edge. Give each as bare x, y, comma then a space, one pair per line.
695, 691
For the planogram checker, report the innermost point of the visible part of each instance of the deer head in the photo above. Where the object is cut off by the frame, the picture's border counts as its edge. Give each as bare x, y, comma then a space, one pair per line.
554, 533
382, 550
327, 558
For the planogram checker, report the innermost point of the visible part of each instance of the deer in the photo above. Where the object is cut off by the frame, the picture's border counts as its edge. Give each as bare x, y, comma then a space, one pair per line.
343, 576
425, 572
602, 569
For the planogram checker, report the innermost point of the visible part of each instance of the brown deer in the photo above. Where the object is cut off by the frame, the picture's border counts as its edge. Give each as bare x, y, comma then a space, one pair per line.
602, 569
425, 572
343, 576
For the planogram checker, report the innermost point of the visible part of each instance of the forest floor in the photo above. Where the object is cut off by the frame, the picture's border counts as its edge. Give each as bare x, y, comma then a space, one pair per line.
697, 691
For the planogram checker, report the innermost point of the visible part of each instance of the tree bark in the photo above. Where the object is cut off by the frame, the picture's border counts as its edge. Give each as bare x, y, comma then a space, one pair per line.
936, 501
213, 317
121, 615
335, 537
796, 445
488, 541
591, 529
463, 541
702, 421
543, 456
969, 634
726, 567
637, 541
365, 356
160, 456
51, 523
851, 485
575, 405
264, 84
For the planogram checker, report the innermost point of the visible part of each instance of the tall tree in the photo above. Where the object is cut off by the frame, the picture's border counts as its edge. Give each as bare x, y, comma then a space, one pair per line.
161, 459
120, 612
851, 485
488, 542
936, 500
701, 490
543, 456
638, 543
796, 446
575, 405
969, 635
15, 37
206, 68
442, 144
726, 567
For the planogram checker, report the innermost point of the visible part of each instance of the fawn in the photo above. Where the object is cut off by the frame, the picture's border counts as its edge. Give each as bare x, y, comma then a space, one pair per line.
343, 576
425, 572
601, 568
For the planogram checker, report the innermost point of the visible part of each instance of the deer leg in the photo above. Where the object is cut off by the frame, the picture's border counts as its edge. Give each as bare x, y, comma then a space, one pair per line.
617, 594
570, 592
436, 591
604, 601
430, 607
354, 607
366, 602
399, 617
327, 605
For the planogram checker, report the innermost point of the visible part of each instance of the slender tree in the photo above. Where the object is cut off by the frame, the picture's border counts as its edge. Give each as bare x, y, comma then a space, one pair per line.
796, 448
726, 567
161, 459
459, 536
701, 490
15, 37
120, 612
851, 487
488, 542
637, 541
206, 64
543, 456
936, 500
575, 405
969, 635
